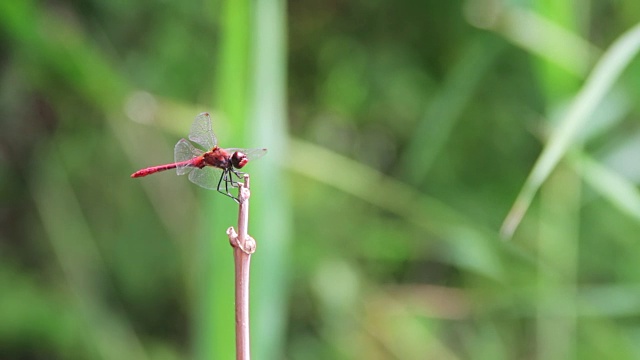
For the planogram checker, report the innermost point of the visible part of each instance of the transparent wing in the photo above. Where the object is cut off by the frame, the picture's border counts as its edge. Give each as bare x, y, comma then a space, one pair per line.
207, 177
202, 132
252, 154
184, 151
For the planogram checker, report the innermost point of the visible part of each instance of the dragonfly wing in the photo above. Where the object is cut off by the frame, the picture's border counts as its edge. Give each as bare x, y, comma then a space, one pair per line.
184, 151
252, 154
207, 177
202, 131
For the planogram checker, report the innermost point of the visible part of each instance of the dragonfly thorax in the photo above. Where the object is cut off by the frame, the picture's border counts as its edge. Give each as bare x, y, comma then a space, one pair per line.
219, 158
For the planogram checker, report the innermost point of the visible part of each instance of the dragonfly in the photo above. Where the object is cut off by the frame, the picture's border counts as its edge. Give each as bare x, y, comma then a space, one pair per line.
212, 169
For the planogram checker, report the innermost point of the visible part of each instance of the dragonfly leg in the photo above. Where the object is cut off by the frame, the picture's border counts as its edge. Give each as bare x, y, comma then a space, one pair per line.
220, 183
237, 173
225, 177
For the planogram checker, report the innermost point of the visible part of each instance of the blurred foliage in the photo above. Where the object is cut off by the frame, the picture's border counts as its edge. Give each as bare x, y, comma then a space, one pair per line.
411, 128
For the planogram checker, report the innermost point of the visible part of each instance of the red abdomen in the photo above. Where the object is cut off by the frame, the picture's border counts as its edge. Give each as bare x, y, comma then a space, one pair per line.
155, 169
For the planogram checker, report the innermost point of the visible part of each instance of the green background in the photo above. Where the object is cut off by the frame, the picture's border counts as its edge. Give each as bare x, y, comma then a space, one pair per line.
400, 135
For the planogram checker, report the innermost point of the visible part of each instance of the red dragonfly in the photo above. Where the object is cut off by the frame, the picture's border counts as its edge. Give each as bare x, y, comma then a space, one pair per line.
212, 169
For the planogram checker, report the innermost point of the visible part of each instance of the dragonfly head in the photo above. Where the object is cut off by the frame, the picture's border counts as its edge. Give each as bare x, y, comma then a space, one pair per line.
239, 160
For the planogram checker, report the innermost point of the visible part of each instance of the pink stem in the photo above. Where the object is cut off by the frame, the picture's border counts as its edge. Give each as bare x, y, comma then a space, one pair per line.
243, 246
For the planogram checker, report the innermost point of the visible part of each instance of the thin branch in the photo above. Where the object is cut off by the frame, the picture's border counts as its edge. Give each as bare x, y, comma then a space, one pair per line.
243, 246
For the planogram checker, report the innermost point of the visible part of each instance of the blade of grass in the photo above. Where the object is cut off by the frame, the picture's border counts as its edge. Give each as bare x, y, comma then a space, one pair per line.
80, 260
472, 242
557, 82
233, 74
536, 34
26, 305
558, 250
271, 205
63, 51
620, 192
606, 71
444, 110
559, 213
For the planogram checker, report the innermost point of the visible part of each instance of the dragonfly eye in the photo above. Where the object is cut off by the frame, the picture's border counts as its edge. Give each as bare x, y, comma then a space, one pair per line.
239, 159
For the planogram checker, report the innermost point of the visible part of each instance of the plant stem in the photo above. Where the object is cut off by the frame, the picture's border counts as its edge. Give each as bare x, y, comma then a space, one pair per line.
243, 246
